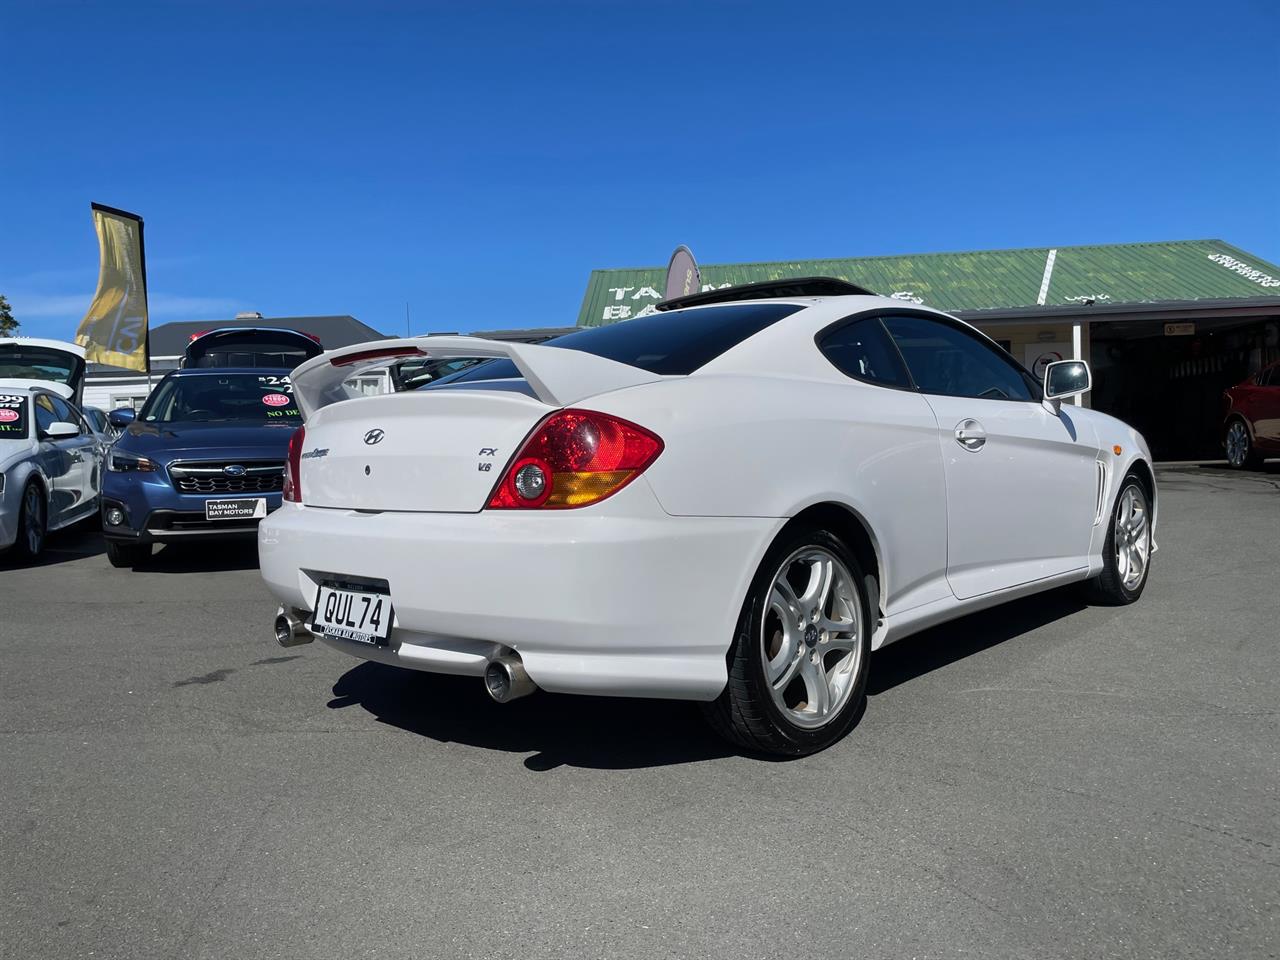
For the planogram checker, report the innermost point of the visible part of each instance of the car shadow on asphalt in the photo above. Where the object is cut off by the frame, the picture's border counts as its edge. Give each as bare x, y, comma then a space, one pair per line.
607, 733
618, 733
75, 543
947, 643
212, 557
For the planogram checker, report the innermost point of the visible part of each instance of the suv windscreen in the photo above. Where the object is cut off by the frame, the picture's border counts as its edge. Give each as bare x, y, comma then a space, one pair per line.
208, 398
13, 415
669, 344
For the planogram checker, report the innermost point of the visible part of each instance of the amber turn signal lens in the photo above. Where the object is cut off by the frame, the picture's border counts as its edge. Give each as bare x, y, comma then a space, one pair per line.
1117, 449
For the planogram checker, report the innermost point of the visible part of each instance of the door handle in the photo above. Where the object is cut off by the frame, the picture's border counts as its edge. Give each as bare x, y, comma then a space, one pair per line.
970, 435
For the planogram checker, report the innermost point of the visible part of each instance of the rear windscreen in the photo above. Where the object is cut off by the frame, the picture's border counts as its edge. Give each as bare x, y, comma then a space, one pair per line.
277, 355
13, 415
38, 363
669, 344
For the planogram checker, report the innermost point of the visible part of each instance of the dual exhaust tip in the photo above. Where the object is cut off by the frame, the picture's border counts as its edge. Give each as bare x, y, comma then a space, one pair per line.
505, 678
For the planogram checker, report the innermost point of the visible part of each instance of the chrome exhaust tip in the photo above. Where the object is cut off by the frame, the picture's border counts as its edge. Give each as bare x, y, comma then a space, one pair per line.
289, 630
505, 679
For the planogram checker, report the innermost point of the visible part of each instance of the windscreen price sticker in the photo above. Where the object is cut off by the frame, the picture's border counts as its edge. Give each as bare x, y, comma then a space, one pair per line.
282, 384
275, 400
10, 410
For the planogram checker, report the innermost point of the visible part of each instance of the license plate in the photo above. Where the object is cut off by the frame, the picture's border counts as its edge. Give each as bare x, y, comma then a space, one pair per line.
353, 615
251, 509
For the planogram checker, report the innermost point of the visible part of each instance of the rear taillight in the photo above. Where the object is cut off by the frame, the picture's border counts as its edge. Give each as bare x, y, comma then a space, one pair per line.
293, 466
575, 458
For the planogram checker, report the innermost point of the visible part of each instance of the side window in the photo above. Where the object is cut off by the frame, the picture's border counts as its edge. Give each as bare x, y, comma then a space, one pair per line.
863, 350
945, 360
45, 416
64, 413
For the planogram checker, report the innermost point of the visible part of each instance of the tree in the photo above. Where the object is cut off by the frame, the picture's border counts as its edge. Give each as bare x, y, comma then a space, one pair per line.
8, 325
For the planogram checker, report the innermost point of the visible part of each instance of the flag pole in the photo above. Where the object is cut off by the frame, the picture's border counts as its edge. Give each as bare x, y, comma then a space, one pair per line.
142, 255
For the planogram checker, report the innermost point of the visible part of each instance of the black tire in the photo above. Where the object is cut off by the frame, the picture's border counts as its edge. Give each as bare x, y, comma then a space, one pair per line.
1108, 588
123, 554
33, 522
1239, 448
745, 713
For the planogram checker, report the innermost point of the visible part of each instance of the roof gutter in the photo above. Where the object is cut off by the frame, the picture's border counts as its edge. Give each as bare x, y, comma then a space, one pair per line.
1103, 312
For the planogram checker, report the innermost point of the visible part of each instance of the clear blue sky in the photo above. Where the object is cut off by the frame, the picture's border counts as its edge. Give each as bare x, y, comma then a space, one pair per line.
478, 160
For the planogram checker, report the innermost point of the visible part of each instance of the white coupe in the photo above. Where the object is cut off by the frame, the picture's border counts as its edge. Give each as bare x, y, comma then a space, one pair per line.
734, 500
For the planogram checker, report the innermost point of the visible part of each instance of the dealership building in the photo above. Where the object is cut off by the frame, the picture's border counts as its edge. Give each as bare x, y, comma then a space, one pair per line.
1166, 327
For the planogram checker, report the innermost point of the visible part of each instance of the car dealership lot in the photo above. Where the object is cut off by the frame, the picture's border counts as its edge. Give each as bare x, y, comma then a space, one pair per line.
1041, 780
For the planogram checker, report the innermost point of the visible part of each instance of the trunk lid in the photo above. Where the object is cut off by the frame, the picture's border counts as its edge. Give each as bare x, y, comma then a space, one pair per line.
51, 364
433, 451
250, 347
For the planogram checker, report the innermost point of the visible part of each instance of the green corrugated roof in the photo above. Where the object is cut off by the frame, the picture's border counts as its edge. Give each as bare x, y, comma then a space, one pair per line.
983, 279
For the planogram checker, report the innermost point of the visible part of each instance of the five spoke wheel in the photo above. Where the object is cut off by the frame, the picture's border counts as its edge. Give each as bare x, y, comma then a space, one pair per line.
1132, 536
810, 636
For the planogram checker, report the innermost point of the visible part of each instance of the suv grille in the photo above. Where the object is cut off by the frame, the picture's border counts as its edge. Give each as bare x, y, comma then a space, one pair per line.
212, 477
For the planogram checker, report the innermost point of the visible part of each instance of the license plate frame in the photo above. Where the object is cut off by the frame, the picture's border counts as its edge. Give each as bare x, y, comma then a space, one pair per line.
235, 508
353, 612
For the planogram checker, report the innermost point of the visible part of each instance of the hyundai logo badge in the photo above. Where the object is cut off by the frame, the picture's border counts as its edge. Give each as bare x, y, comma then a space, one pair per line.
373, 436
234, 470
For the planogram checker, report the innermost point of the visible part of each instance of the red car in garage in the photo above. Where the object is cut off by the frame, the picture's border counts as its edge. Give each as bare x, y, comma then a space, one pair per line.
1251, 429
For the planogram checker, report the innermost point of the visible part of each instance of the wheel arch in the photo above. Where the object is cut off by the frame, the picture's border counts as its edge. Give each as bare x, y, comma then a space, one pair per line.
851, 527
1237, 415
1141, 469
34, 475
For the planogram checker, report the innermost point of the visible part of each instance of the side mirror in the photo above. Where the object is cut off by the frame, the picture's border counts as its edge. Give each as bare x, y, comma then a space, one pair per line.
1066, 378
121, 418
62, 431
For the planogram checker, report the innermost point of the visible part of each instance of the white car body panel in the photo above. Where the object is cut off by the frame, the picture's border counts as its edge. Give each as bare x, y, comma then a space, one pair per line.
639, 594
999, 531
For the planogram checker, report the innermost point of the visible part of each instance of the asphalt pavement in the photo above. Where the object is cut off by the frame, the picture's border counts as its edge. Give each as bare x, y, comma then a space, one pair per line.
1047, 779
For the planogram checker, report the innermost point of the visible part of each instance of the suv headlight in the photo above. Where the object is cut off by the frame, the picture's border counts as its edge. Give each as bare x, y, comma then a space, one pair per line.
120, 462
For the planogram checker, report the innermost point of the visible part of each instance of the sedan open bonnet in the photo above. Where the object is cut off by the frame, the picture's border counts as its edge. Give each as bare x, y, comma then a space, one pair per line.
558, 376
53, 364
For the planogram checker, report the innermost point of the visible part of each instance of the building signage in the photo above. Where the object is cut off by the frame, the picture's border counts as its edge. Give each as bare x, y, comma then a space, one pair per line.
1040, 355
1180, 329
1246, 271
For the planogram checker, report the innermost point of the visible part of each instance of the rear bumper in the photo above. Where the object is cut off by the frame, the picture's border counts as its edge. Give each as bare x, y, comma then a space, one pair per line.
619, 599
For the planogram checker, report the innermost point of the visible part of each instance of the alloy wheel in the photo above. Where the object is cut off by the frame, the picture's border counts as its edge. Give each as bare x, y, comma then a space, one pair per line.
1237, 443
1132, 537
811, 636
33, 511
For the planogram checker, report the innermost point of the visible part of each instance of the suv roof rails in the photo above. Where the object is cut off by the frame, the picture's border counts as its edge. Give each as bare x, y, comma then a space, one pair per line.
768, 290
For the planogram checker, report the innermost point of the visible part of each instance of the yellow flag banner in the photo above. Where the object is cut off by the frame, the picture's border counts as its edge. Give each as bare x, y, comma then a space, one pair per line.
114, 331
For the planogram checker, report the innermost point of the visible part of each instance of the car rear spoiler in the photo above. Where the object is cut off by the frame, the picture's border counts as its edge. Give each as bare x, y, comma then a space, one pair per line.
559, 376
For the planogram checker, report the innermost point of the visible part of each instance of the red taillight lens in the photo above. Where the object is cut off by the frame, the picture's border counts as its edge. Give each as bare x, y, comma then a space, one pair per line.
293, 466
575, 458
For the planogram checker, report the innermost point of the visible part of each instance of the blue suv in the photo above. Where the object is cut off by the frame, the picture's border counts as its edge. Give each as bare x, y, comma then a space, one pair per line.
204, 458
